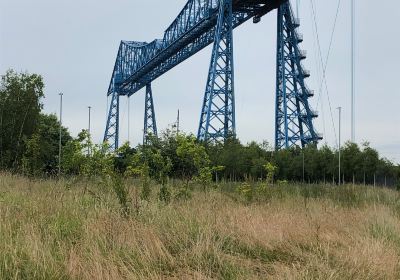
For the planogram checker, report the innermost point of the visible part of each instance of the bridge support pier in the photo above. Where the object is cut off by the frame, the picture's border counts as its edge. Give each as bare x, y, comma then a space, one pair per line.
294, 117
217, 120
111, 135
150, 125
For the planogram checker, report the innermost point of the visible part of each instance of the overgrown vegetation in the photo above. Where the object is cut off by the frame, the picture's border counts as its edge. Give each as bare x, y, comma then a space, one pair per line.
75, 229
29, 145
176, 208
28, 138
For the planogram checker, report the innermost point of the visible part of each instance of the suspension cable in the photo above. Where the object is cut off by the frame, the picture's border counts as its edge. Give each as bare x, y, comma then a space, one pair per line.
319, 77
324, 65
327, 60
330, 43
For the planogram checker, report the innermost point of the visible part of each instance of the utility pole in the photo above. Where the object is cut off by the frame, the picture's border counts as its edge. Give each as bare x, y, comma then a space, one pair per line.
129, 119
60, 136
90, 108
89, 133
178, 123
353, 85
297, 8
304, 168
340, 134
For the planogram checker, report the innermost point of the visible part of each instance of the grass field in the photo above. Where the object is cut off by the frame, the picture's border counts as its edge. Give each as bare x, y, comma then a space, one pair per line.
76, 230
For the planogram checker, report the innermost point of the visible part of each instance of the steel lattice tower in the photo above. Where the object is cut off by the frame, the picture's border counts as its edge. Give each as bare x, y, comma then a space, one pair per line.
111, 136
294, 117
150, 125
199, 24
217, 120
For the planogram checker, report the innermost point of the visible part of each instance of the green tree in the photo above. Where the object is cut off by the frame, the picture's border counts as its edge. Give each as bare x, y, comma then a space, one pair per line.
289, 162
369, 163
326, 163
95, 164
351, 161
41, 149
194, 158
231, 155
73, 158
255, 157
124, 157
271, 170
397, 171
20, 106
312, 164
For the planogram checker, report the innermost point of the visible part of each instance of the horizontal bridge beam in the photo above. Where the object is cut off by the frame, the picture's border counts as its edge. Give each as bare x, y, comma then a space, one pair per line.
139, 63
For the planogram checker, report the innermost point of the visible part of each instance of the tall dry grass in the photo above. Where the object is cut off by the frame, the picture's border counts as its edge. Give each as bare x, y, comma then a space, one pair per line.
75, 230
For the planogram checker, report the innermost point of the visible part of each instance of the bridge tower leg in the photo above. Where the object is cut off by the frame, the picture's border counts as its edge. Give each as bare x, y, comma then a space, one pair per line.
294, 117
150, 125
217, 120
111, 134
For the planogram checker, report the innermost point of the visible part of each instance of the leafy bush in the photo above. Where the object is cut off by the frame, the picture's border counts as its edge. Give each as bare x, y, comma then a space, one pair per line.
164, 194
245, 190
121, 190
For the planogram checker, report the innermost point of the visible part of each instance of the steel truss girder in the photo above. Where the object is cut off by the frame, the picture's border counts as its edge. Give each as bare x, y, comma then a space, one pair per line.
150, 124
294, 117
191, 31
139, 63
217, 119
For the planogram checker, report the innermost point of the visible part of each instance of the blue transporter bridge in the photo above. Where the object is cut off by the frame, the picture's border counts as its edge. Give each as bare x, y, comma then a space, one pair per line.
199, 24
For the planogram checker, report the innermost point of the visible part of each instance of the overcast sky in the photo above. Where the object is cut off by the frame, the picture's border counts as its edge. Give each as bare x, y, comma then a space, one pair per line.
73, 44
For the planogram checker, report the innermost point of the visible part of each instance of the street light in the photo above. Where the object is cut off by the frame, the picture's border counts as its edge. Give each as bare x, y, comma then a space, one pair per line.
89, 135
90, 108
178, 120
340, 130
60, 136
129, 119
304, 167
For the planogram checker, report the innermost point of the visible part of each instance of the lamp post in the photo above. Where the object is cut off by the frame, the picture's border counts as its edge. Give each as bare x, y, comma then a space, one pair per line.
89, 128
340, 131
60, 136
178, 123
90, 109
129, 120
304, 167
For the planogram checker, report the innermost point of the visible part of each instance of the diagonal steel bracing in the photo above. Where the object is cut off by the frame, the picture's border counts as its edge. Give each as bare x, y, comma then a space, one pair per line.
217, 119
294, 117
150, 125
111, 135
200, 23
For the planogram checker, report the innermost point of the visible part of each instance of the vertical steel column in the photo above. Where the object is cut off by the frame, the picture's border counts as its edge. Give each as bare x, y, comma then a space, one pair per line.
150, 125
111, 135
217, 120
294, 117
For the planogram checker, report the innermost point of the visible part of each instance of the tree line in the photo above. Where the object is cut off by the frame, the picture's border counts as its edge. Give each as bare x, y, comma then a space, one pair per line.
29, 144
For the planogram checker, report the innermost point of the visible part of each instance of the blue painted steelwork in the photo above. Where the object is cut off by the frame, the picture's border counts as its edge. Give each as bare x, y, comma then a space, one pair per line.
200, 23
150, 124
217, 120
294, 117
111, 135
